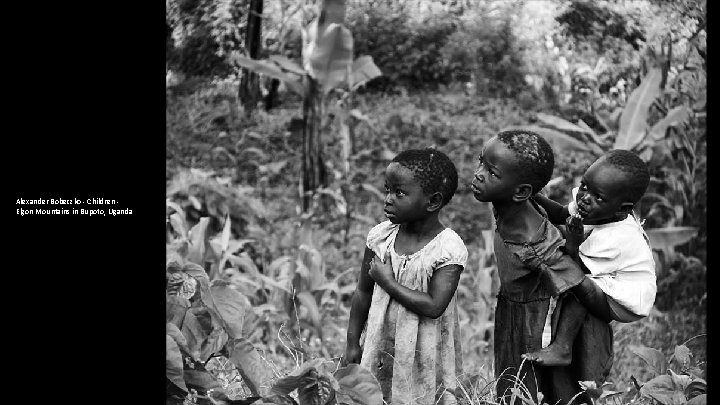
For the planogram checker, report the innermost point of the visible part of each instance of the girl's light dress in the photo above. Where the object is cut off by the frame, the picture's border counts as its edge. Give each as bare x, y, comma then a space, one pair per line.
417, 360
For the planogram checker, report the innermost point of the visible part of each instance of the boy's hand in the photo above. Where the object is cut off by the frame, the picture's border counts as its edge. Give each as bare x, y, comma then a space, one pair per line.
381, 272
575, 234
353, 354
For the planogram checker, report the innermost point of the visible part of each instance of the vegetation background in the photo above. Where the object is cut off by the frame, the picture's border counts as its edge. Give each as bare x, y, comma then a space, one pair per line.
279, 125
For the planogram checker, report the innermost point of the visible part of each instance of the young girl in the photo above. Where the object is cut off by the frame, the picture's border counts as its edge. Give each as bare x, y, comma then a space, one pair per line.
515, 165
406, 290
616, 253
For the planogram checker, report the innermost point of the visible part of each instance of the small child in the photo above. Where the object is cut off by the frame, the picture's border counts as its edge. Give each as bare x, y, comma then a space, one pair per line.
532, 267
615, 253
406, 290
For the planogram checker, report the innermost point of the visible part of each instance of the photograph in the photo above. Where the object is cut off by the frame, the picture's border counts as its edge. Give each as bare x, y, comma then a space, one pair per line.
435, 202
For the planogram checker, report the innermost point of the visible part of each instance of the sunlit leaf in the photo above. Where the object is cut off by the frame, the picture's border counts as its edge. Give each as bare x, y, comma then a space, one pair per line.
331, 56
664, 238
271, 70
287, 64
673, 117
653, 357
682, 355
363, 70
174, 363
175, 308
225, 236
308, 301
633, 121
178, 224
664, 390
253, 369
198, 241
231, 306
358, 386
172, 330
561, 124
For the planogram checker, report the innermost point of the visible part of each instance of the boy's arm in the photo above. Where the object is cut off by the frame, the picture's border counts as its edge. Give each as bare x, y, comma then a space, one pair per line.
360, 306
431, 304
557, 213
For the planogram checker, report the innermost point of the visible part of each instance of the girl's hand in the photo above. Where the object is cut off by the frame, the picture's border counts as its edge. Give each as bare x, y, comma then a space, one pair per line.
353, 354
381, 272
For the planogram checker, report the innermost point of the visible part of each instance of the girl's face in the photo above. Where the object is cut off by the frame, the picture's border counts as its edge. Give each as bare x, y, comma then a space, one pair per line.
495, 178
601, 196
405, 200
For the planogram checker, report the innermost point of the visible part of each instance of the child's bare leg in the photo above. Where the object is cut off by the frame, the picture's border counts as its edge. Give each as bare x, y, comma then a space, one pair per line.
593, 299
559, 352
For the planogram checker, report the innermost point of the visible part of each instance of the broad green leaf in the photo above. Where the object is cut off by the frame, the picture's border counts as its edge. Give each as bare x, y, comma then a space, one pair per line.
664, 390
253, 369
308, 301
271, 70
697, 387
560, 124
199, 274
698, 400
673, 117
682, 355
363, 70
653, 357
174, 363
172, 330
178, 224
262, 66
225, 235
231, 306
331, 57
633, 121
268, 281
358, 386
287, 64
244, 262
213, 343
198, 241
175, 309
197, 326
664, 238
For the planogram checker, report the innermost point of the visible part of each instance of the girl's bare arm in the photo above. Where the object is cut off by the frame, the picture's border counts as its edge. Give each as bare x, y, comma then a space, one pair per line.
359, 309
431, 304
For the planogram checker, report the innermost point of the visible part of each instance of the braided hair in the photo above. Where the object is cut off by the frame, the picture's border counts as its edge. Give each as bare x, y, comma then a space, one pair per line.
432, 169
535, 156
637, 175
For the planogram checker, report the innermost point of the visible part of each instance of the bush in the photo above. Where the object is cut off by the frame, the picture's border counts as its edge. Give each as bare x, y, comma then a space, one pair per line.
407, 52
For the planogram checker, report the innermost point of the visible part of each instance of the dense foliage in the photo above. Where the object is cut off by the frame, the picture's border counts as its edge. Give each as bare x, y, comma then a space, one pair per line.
258, 290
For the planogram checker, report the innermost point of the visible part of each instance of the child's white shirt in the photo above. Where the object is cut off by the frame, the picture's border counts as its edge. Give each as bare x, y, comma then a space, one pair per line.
621, 263
619, 256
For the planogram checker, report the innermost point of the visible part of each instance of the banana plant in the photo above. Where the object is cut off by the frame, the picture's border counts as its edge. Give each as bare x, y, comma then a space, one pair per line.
327, 64
672, 144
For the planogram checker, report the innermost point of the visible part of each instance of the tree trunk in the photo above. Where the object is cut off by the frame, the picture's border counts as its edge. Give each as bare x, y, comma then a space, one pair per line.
313, 165
249, 91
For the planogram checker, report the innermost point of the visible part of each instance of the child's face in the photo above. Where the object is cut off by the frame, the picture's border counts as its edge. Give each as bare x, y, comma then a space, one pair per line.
405, 200
601, 194
495, 178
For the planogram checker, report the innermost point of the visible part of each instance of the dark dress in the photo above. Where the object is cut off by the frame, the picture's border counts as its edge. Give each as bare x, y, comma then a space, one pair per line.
531, 272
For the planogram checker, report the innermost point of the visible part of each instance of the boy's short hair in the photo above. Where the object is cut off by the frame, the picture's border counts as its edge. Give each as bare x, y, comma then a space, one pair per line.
637, 175
432, 169
534, 154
